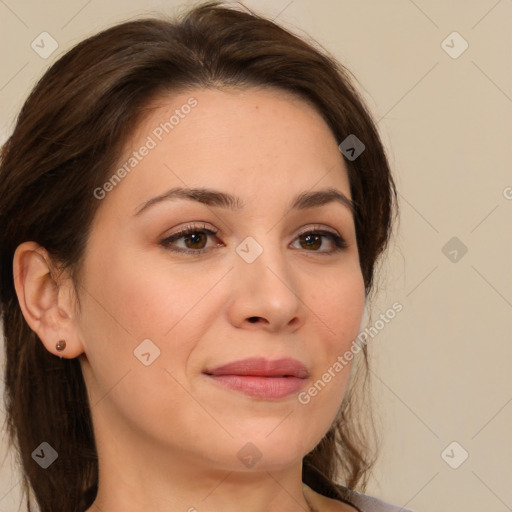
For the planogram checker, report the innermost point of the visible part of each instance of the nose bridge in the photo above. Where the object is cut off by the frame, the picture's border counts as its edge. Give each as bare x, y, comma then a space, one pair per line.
262, 261
264, 284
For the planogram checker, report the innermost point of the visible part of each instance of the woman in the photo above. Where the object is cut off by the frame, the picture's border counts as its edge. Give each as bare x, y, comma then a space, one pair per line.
192, 213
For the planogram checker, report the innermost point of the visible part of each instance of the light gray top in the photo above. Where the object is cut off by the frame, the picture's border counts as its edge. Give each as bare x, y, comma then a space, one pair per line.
366, 503
361, 502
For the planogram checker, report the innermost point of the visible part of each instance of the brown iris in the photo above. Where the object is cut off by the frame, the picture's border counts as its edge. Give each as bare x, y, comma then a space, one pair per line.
312, 241
195, 239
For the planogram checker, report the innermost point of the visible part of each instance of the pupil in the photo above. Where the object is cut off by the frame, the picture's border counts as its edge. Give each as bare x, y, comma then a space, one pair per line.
312, 241
195, 238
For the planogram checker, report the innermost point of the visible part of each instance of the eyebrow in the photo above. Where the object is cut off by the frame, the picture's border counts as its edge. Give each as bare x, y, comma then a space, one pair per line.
212, 197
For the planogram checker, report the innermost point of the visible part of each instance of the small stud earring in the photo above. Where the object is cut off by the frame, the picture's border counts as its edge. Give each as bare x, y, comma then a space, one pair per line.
61, 345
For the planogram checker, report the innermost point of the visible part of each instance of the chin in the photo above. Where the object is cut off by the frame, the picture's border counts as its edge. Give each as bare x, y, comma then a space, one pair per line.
272, 450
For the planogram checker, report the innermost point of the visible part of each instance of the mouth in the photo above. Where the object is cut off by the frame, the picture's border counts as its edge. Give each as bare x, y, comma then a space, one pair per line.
261, 378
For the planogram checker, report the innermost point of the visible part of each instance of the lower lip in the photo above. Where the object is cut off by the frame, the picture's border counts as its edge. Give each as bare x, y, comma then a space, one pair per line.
261, 387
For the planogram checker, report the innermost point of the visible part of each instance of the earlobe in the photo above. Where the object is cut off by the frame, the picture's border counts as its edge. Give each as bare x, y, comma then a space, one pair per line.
41, 303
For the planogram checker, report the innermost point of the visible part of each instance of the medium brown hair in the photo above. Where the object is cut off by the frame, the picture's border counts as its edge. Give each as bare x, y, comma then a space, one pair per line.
67, 139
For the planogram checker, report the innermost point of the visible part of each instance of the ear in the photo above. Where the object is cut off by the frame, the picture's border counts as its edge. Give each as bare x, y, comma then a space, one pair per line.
46, 299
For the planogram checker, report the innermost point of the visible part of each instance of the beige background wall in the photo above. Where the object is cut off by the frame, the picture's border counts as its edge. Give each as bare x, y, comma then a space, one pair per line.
442, 366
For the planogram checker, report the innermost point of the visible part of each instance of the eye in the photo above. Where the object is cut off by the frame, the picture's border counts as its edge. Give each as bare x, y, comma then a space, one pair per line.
193, 238
313, 240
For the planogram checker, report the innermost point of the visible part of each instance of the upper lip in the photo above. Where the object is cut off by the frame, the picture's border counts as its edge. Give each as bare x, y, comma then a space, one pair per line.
262, 367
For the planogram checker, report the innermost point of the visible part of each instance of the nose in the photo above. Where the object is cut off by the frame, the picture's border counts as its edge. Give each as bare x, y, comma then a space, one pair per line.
265, 293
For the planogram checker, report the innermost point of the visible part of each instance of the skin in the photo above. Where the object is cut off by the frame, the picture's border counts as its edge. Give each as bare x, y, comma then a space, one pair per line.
167, 436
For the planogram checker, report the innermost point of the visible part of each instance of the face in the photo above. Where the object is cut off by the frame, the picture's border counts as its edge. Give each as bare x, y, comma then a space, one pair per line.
208, 280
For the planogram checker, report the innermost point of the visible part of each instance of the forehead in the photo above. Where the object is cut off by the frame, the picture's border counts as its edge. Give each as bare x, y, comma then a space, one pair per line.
250, 142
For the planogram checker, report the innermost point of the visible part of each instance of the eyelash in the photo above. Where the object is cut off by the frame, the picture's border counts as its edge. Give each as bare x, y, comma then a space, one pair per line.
338, 241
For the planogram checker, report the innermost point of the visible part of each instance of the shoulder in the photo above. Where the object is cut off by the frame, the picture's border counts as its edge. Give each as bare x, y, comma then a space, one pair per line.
366, 503
347, 500
332, 497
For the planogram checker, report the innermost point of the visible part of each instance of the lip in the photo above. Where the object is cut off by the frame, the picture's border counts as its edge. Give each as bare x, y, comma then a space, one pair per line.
260, 377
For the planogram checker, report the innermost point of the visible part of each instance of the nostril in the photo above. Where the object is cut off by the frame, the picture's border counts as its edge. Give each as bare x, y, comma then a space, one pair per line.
253, 319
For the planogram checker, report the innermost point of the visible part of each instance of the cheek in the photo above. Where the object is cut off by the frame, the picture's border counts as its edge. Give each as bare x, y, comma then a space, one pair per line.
144, 294
339, 303
341, 313
125, 303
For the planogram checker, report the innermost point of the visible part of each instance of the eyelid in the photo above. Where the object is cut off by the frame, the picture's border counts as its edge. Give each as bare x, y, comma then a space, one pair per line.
317, 227
200, 226
336, 238
185, 230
